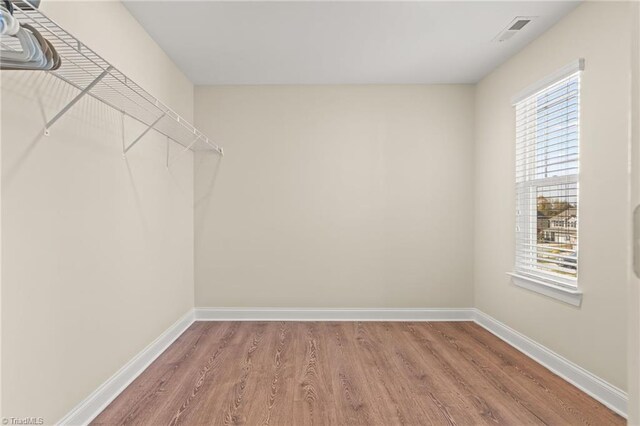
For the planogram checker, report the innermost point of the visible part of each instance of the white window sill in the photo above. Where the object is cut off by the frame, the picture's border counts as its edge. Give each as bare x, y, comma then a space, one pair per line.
567, 295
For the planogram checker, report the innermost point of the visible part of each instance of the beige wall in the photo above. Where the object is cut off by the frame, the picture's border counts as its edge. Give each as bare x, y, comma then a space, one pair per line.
97, 250
593, 336
335, 196
634, 281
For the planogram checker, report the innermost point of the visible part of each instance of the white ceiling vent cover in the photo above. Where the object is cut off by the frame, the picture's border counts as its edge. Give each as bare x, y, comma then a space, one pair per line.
516, 25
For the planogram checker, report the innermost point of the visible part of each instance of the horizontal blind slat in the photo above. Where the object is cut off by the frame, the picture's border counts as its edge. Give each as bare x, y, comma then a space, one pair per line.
547, 167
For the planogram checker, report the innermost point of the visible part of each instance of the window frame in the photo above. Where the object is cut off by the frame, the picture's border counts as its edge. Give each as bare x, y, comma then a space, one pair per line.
548, 283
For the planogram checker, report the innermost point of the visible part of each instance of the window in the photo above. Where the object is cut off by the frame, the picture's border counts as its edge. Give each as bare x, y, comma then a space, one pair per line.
547, 167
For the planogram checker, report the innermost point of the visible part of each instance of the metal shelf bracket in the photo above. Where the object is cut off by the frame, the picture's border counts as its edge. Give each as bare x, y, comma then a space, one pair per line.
75, 100
170, 161
149, 127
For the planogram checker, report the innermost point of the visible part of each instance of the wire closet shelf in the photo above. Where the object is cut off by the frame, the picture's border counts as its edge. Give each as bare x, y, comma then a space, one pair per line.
92, 75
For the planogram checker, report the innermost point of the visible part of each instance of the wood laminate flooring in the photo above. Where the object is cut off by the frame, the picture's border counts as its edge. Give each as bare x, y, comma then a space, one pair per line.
349, 373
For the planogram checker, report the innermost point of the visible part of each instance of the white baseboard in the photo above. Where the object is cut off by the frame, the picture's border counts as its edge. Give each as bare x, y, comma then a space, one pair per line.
594, 386
98, 400
322, 314
589, 383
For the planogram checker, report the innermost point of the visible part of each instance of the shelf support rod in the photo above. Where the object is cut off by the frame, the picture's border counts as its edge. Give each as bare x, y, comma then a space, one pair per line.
183, 151
151, 126
76, 99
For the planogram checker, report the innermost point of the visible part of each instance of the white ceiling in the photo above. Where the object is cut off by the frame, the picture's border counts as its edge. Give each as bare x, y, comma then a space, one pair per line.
326, 42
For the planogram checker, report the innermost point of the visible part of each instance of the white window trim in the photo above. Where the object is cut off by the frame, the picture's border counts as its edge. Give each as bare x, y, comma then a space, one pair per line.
547, 288
566, 71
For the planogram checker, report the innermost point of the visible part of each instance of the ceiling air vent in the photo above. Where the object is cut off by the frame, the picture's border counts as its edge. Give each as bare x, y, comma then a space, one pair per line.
516, 25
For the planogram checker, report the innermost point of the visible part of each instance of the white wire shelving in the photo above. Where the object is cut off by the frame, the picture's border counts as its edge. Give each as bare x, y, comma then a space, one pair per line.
93, 76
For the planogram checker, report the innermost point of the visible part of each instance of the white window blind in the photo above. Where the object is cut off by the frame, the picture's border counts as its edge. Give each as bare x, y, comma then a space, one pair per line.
547, 166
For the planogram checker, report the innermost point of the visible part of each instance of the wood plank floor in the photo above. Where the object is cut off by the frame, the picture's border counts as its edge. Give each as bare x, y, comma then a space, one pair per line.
349, 373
